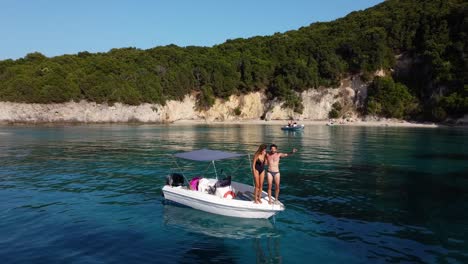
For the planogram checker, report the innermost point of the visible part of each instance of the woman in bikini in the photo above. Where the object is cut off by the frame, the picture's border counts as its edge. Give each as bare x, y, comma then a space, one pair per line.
258, 168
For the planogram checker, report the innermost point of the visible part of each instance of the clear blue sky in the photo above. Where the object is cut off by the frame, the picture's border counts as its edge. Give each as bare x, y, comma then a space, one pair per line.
56, 27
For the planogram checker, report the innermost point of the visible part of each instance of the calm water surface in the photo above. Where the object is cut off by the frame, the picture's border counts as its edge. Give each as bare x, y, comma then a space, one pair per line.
92, 194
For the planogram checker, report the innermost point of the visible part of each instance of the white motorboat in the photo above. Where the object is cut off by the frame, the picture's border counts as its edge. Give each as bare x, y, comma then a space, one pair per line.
235, 199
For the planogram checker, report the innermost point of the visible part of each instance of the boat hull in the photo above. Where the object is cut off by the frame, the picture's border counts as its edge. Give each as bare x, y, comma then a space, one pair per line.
222, 206
297, 128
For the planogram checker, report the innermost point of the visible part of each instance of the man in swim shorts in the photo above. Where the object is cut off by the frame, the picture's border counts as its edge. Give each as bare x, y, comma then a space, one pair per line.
273, 172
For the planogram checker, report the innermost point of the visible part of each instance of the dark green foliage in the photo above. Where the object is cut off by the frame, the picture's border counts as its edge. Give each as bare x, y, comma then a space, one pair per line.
455, 104
333, 114
237, 111
336, 109
433, 34
337, 106
389, 99
206, 98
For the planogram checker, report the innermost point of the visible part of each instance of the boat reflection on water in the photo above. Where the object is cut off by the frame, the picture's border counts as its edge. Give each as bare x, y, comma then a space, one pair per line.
217, 225
268, 250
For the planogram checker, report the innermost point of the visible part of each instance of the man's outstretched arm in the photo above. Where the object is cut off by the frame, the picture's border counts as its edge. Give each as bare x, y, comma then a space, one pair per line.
290, 153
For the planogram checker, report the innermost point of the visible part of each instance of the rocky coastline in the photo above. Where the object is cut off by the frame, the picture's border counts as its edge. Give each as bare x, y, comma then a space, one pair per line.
248, 108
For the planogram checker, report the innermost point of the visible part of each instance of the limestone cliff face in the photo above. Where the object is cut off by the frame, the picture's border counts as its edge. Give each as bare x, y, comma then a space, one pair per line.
88, 112
317, 104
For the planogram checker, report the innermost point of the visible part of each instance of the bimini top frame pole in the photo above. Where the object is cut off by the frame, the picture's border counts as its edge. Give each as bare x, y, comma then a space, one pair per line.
214, 166
251, 169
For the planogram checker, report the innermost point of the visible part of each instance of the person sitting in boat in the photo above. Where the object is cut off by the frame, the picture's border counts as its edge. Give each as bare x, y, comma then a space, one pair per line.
294, 124
258, 168
289, 123
273, 173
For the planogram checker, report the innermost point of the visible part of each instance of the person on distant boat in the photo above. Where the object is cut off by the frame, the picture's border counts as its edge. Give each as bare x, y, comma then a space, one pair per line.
273, 159
258, 168
294, 124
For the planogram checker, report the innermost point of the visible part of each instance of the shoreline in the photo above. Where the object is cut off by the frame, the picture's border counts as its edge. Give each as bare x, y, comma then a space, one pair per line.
383, 123
373, 123
250, 109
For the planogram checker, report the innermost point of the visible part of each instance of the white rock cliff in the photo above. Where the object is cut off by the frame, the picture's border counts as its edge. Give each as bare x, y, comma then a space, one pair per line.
317, 104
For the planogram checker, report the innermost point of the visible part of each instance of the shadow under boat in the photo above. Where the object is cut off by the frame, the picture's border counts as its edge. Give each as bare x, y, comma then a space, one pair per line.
213, 225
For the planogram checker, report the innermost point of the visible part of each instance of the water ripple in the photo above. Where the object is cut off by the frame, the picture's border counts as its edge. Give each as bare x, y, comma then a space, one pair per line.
85, 193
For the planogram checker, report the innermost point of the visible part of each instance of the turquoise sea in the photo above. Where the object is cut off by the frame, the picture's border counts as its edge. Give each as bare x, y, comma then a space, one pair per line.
92, 194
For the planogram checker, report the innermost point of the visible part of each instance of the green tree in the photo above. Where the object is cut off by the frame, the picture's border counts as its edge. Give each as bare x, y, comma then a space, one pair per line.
389, 99
206, 98
430, 36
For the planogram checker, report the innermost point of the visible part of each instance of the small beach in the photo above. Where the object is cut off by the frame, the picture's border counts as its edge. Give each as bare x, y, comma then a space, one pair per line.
384, 123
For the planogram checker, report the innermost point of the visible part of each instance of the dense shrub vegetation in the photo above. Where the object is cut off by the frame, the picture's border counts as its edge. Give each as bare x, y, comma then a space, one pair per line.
389, 99
432, 33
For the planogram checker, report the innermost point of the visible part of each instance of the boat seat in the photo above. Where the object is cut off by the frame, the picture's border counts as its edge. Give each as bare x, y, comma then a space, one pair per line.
245, 196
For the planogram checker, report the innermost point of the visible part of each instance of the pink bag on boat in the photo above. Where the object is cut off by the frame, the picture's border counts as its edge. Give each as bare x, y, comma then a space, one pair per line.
194, 183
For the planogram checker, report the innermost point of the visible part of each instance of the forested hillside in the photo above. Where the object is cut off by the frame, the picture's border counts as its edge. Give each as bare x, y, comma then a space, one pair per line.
432, 36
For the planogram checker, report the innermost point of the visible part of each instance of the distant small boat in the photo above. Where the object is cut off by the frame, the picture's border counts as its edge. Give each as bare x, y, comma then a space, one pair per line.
292, 128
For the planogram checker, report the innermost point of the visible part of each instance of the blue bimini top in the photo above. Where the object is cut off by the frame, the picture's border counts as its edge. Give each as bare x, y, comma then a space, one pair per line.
207, 155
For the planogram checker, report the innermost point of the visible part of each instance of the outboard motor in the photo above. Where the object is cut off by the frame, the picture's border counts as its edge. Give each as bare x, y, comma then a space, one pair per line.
175, 179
